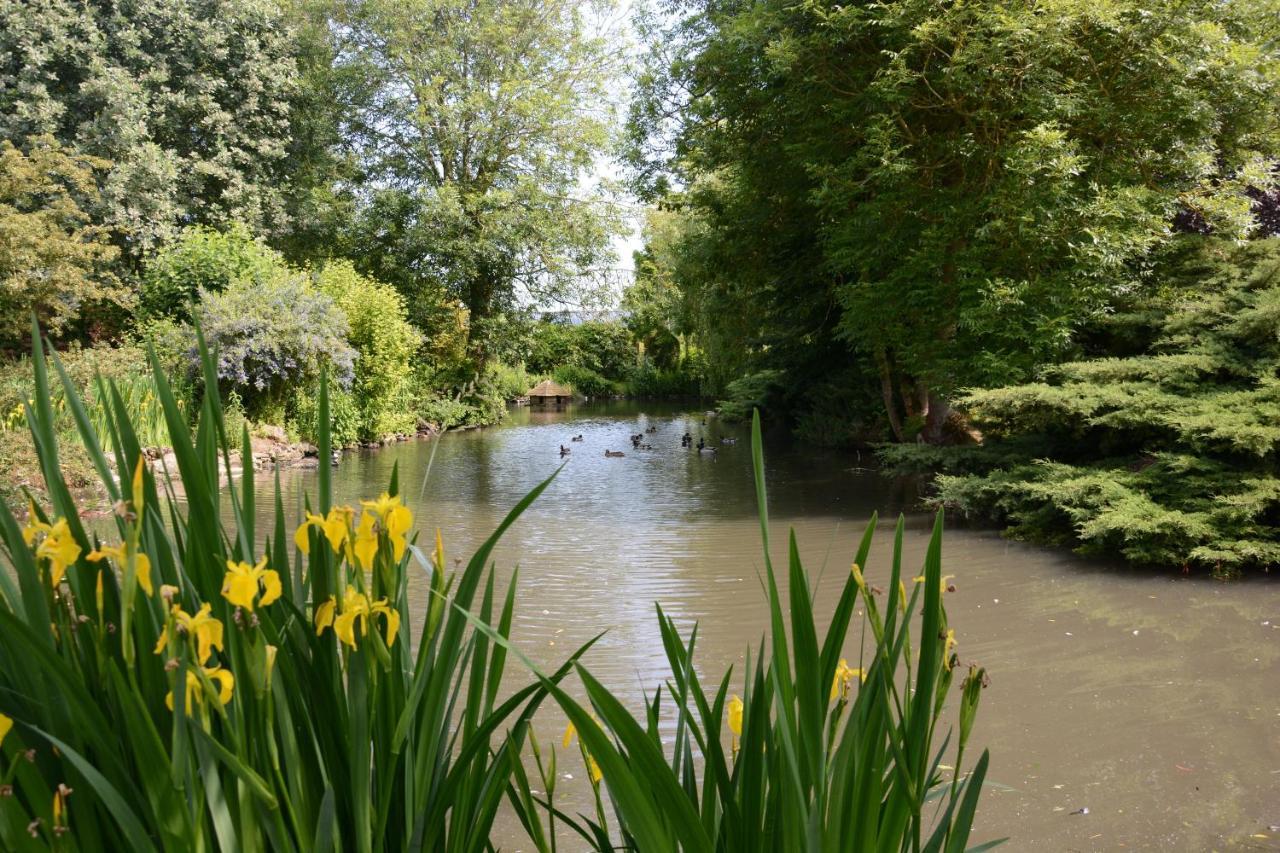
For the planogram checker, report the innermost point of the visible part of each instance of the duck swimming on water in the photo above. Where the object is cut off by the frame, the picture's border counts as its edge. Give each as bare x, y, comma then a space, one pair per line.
613, 454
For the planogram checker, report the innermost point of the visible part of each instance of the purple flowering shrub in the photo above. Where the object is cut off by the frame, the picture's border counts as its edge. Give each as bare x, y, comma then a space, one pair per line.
274, 334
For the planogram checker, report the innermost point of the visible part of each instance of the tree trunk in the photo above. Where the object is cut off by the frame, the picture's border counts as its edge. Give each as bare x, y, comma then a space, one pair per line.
886, 389
935, 419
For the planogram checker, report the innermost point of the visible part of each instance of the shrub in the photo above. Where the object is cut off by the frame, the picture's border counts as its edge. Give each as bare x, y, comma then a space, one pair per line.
203, 259
511, 382
650, 381
444, 412
753, 391
344, 415
1166, 457
584, 381
271, 335
385, 342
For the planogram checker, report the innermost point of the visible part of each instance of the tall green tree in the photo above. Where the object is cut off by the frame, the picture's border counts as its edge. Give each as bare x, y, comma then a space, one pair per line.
188, 99
965, 184
474, 129
53, 260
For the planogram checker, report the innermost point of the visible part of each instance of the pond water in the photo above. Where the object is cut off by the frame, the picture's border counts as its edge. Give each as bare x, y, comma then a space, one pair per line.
1150, 700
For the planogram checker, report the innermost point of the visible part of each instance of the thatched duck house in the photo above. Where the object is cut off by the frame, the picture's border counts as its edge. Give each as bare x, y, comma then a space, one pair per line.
549, 392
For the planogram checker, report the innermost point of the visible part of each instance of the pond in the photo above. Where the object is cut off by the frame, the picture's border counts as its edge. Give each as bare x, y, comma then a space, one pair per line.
1126, 709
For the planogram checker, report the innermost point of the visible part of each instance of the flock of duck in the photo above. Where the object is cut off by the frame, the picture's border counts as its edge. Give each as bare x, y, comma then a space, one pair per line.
638, 443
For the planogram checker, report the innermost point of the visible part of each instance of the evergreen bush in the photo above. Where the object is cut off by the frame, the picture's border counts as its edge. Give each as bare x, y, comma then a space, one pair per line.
1166, 457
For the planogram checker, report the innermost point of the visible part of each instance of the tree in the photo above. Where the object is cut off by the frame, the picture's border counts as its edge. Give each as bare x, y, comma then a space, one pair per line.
474, 131
53, 260
961, 186
188, 99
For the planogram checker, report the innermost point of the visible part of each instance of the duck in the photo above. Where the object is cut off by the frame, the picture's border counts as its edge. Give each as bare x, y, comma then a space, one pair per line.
709, 451
613, 454
564, 451
686, 440
652, 429
577, 437
727, 440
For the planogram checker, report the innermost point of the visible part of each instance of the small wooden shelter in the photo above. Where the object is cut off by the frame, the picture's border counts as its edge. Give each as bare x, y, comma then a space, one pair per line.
550, 392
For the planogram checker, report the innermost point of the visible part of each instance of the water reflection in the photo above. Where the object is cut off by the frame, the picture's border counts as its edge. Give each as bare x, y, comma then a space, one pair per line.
1153, 701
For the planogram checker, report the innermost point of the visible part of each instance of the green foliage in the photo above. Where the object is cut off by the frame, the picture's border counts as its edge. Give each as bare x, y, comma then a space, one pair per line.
601, 347
1166, 457
650, 381
187, 99
53, 261
948, 190
584, 381
476, 122
511, 382
385, 343
270, 336
203, 259
751, 392
344, 414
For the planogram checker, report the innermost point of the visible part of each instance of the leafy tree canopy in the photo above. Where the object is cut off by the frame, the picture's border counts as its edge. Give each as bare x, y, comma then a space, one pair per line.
188, 100
954, 189
53, 260
473, 124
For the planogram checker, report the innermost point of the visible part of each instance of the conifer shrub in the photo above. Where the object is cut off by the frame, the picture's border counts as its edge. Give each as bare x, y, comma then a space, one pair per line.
1165, 457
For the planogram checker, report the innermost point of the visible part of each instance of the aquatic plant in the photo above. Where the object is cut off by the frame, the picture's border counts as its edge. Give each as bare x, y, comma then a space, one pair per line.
822, 755
184, 683
306, 719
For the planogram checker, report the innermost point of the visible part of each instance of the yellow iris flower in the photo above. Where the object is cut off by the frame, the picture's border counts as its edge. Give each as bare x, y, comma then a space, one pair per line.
59, 547
243, 582
945, 578
366, 542
844, 675
356, 607
951, 643
139, 496
735, 715
206, 629
396, 520
593, 769
335, 526
142, 563
222, 679
6, 724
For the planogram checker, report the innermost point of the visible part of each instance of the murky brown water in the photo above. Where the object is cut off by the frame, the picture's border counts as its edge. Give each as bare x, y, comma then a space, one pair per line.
1152, 701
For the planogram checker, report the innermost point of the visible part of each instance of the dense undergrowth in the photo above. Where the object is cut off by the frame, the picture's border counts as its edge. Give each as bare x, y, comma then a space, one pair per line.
1166, 455
174, 681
